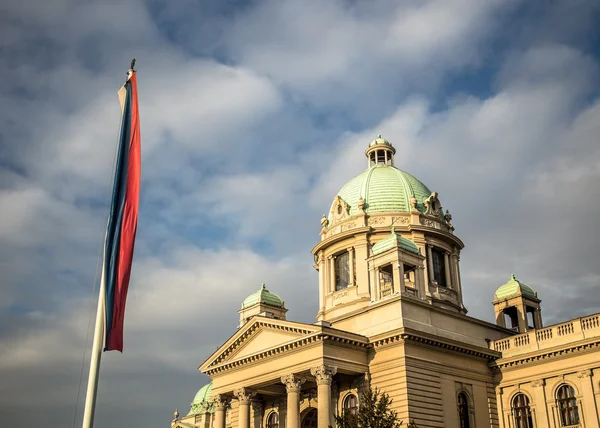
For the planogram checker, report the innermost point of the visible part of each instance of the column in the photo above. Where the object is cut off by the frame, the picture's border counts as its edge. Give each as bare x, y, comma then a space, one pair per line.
522, 318
540, 400
537, 317
351, 261
447, 269
220, 404
401, 286
293, 385
590, 411
456, 279
324, 375
421, 282
331, 287
244, 396
500, 319
430, 265
322, 283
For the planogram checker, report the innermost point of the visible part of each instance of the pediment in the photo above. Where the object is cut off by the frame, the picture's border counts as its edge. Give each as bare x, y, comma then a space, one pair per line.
257, 336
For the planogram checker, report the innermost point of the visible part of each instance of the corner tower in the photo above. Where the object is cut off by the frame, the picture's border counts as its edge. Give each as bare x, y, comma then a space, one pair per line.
386, 237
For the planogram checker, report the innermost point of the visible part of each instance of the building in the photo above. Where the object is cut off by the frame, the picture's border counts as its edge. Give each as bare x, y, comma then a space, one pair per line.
391, 313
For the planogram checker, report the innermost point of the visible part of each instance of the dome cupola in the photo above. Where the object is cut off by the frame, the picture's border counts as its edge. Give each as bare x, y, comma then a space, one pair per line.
380, 152
201, 403
264, 303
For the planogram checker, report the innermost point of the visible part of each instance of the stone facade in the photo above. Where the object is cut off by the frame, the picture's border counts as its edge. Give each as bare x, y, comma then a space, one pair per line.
395, 317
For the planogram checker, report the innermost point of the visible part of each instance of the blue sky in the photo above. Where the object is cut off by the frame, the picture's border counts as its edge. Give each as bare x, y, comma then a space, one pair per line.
254, 114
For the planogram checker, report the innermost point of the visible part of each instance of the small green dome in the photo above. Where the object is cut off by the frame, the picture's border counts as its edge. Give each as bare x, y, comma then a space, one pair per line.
201, 403
379, 140
514, 288
384, 189
263, 296
392, 241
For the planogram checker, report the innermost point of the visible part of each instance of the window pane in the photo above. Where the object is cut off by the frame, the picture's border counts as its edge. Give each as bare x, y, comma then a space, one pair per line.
567, 405
342, 271
439, 268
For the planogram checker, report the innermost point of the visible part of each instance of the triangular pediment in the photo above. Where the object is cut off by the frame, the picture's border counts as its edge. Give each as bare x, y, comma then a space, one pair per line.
258, 335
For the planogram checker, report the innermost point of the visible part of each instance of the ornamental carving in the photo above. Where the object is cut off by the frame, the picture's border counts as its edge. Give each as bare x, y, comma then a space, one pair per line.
340, 209
448, 218
538, 383
433, 206
324, 374
348, 226
375, 221
584, 373
244, 395
430, 223
399, 220
292, 382
220, 402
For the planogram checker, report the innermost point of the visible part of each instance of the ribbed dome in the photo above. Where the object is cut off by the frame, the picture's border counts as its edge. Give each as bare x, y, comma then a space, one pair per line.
514, 288
384, 189
201, 403
263, 296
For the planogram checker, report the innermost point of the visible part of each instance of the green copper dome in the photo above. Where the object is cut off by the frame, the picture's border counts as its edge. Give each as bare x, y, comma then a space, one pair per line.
384, 189
514, 288
392, 241
201, 403
263, 296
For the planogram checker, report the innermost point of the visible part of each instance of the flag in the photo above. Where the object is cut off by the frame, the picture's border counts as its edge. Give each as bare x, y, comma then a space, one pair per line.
122, 217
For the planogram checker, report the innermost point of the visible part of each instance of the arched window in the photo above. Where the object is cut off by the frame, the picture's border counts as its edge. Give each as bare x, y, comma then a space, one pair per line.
351, 404
521, 411
463, 410
273, 420
567, 405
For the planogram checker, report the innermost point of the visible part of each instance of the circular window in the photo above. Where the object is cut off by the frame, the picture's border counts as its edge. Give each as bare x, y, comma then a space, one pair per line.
339, 210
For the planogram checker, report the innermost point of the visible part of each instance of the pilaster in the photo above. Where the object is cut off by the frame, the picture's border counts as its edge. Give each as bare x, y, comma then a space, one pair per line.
590, 411
539, 390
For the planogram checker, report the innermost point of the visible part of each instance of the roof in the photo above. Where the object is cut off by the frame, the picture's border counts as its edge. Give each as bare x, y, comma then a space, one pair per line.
201, 403
384, 188
392, 241
513, 288
263, 296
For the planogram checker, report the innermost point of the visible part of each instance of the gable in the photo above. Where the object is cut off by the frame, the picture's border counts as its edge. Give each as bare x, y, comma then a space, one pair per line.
263, 339
256, 336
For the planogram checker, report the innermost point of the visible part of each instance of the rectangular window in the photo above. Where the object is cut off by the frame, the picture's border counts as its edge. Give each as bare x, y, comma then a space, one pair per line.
342, 271
439, 267
386, 281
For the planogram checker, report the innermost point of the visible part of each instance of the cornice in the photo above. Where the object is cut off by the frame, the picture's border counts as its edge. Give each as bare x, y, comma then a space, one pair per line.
554, 353
319, 337
407, 335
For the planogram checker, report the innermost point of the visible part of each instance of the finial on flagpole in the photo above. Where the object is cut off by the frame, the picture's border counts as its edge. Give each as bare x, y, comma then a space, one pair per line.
131, 70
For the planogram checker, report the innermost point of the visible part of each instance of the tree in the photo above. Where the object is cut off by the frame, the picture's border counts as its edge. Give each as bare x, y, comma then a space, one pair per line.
373, 412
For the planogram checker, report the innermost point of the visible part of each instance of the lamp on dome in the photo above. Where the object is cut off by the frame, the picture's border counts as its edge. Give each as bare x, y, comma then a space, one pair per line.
380, 152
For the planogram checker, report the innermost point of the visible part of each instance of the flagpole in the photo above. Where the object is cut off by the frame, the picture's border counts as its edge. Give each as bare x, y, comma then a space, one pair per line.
92, 386
99, 330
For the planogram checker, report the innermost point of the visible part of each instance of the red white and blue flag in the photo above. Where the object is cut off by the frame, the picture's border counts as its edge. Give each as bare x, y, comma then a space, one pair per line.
122, 218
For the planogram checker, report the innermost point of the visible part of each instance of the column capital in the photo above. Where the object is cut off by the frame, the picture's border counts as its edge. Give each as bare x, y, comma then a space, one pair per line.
244, 395
293, 382
538, 383
220, 402
323, 373
257, 406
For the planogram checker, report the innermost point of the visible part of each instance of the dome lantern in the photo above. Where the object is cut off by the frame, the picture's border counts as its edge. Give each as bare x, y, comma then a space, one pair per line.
380, 152
263, 303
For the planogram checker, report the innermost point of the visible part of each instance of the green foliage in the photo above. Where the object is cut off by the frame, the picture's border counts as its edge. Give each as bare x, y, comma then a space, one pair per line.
374, 411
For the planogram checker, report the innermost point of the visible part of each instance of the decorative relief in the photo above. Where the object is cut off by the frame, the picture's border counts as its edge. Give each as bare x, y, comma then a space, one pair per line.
348, 226
244, 395
220, 402
324, 374
376, 221
399, 220
431, 223
584, 373
292, 382
340, 209
538, 383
